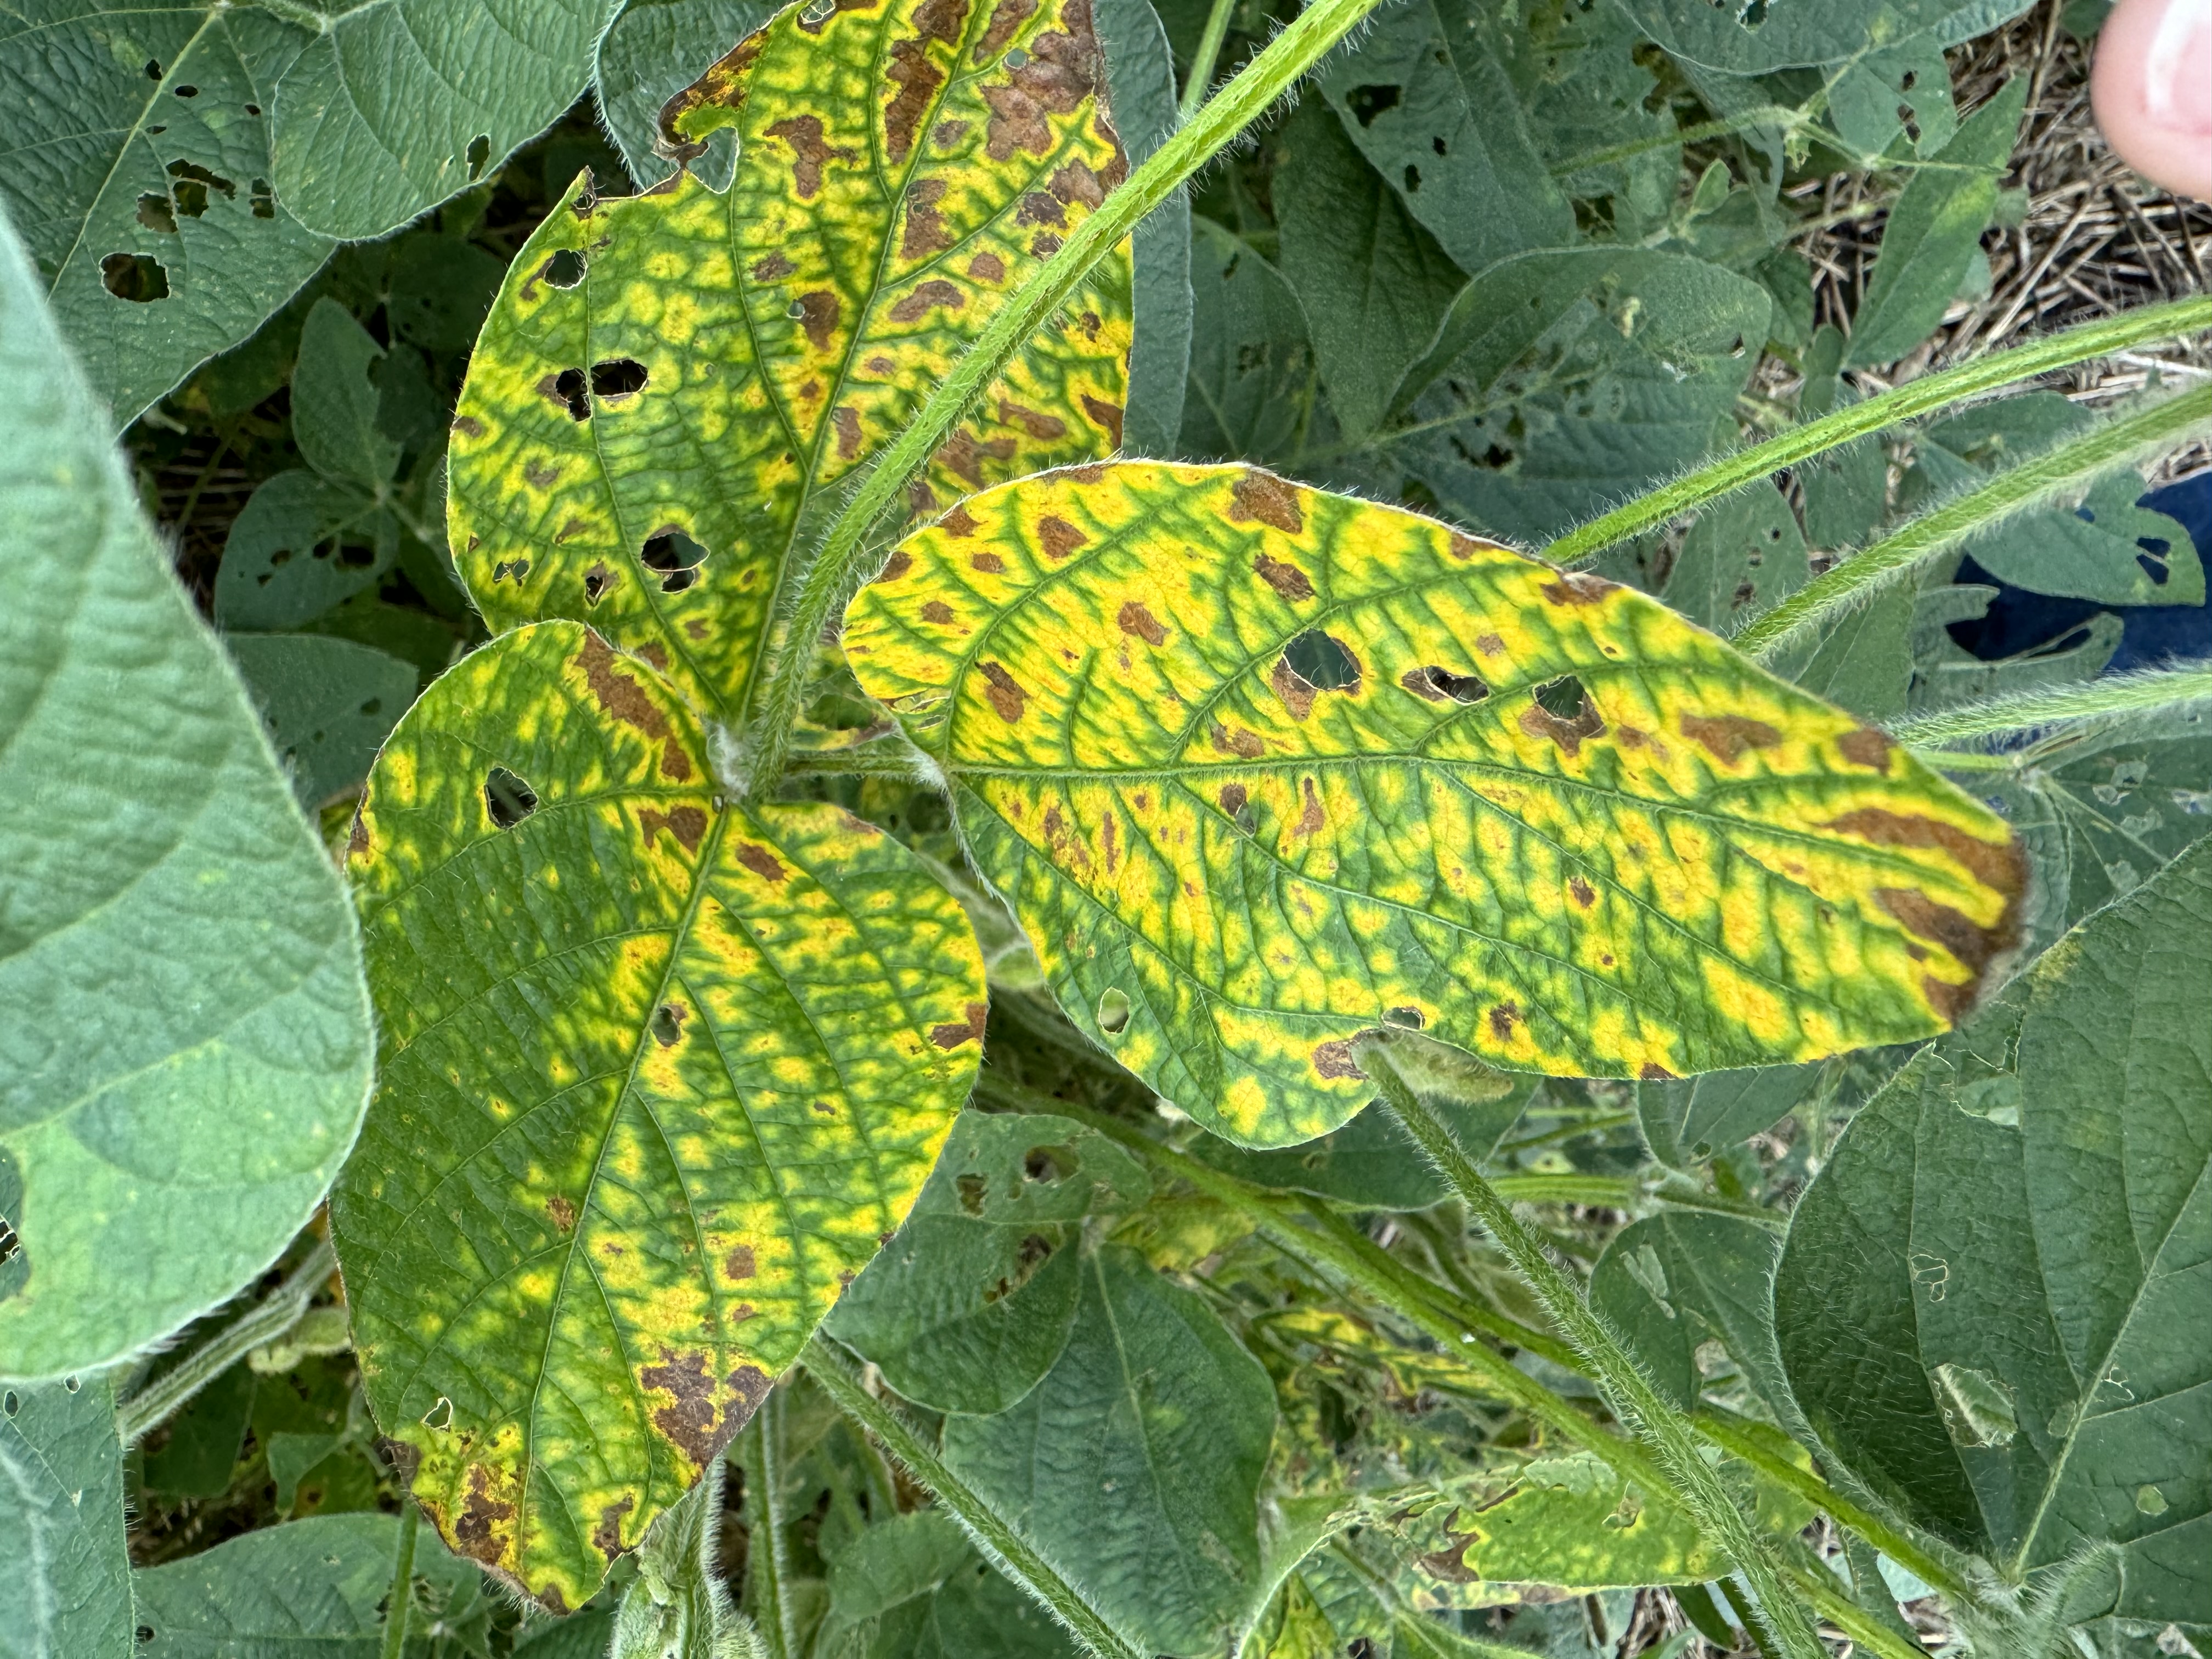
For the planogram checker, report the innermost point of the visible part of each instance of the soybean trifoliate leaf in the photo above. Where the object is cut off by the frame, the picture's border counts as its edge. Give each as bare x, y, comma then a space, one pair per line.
185, 1049
1260, 767
668, 386
659, 1073
66, 1590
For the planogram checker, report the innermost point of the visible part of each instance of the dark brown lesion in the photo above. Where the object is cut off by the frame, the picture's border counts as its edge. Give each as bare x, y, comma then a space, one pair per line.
917, 78
688, 1421
970, 1029
1726, 737
1259, 496
1297, 696
1865, 747
1062, 70
687, 823
2000, 866
1333, 1060
934, 294
810, 152
482, 1530
709, 102
1576, 587
925, 233
1006, 694
1134, 620
1570, 735
607, 1537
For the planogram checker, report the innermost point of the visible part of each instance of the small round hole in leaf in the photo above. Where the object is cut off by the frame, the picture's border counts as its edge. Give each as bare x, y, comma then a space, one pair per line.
674, 556
1114, 1012
137, 277
618, 377
1562, 696
1323, 661
508, 798
565, 269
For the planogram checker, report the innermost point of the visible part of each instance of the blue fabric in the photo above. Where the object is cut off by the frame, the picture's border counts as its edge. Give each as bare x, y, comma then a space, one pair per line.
2018, 620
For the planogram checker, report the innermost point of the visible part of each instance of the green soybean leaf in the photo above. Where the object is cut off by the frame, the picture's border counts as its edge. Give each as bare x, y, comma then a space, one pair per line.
1744, 555
1944, 673
913, 1588
334, 401
1899, 91
1581, 91
1992, 1301
134, 162
315, 1586
1251, 362
1373, 282
327, 703
1428, 102
970, 1302
187, 1046
66, 1591
671, 389
202, 1449
1688, 1120
1133, 1468
302, 546
1141, 92
1259, 767
393, 106
651, 51
1672, 1282
1752, 38
1565, 379
1935, 231
659, 1071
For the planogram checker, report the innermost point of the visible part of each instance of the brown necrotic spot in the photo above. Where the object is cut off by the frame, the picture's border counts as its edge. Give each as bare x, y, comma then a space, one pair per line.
1058, 537
932, 295
1007, 698
847, 421
1573, 587
1653, 1072
1107, 416
989, 563
988, 267
687, 823
1725, 737
1076, 182
1436, 684
1285, 579
478, 1529
688, 1421
1139, 623
1239, 741
925, 231
607, 1537
774, 266
762, 862
1333, 1059
621, 697
468, 426
809, 152
542, 475
1041, 427
1313, 820
1006, 17
1038, 209
1232, 798
1999, 866
508, 798
959, 522
1561, 712
945, 134
1263, 498
898, 565
1501, 1020
970, 1030
562, 1212
739, 1264
1585, 894
1865, 747
819, 311
937, 611
963, 453
917, 78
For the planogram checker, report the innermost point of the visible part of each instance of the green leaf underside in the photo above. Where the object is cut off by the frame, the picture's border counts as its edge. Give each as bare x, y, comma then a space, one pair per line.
659, 1073
1153, 1401
1178, 705
65, 1591
1993, 1302
970, 1303
1745, 39
1671, 1283
317, 1586
187, 1047
717, 365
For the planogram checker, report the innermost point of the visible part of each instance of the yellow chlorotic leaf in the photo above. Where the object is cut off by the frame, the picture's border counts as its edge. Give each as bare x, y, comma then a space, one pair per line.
1260, 767
657, 1072
670, 388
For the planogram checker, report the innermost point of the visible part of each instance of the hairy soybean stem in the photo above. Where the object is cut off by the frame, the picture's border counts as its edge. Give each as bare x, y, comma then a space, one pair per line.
1626, 1388
1944, 527
836, 562
1933, 392
2152, 692
1000, 1541
770, 1564
162, 1399
402, 1600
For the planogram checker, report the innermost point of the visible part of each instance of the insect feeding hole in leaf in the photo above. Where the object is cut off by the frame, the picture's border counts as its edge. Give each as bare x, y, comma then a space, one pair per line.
508, 798
137, 277
672, 556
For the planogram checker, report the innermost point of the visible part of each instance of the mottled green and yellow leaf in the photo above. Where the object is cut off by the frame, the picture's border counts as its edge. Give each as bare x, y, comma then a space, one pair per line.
1260, 767
657, 1072
670, 387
